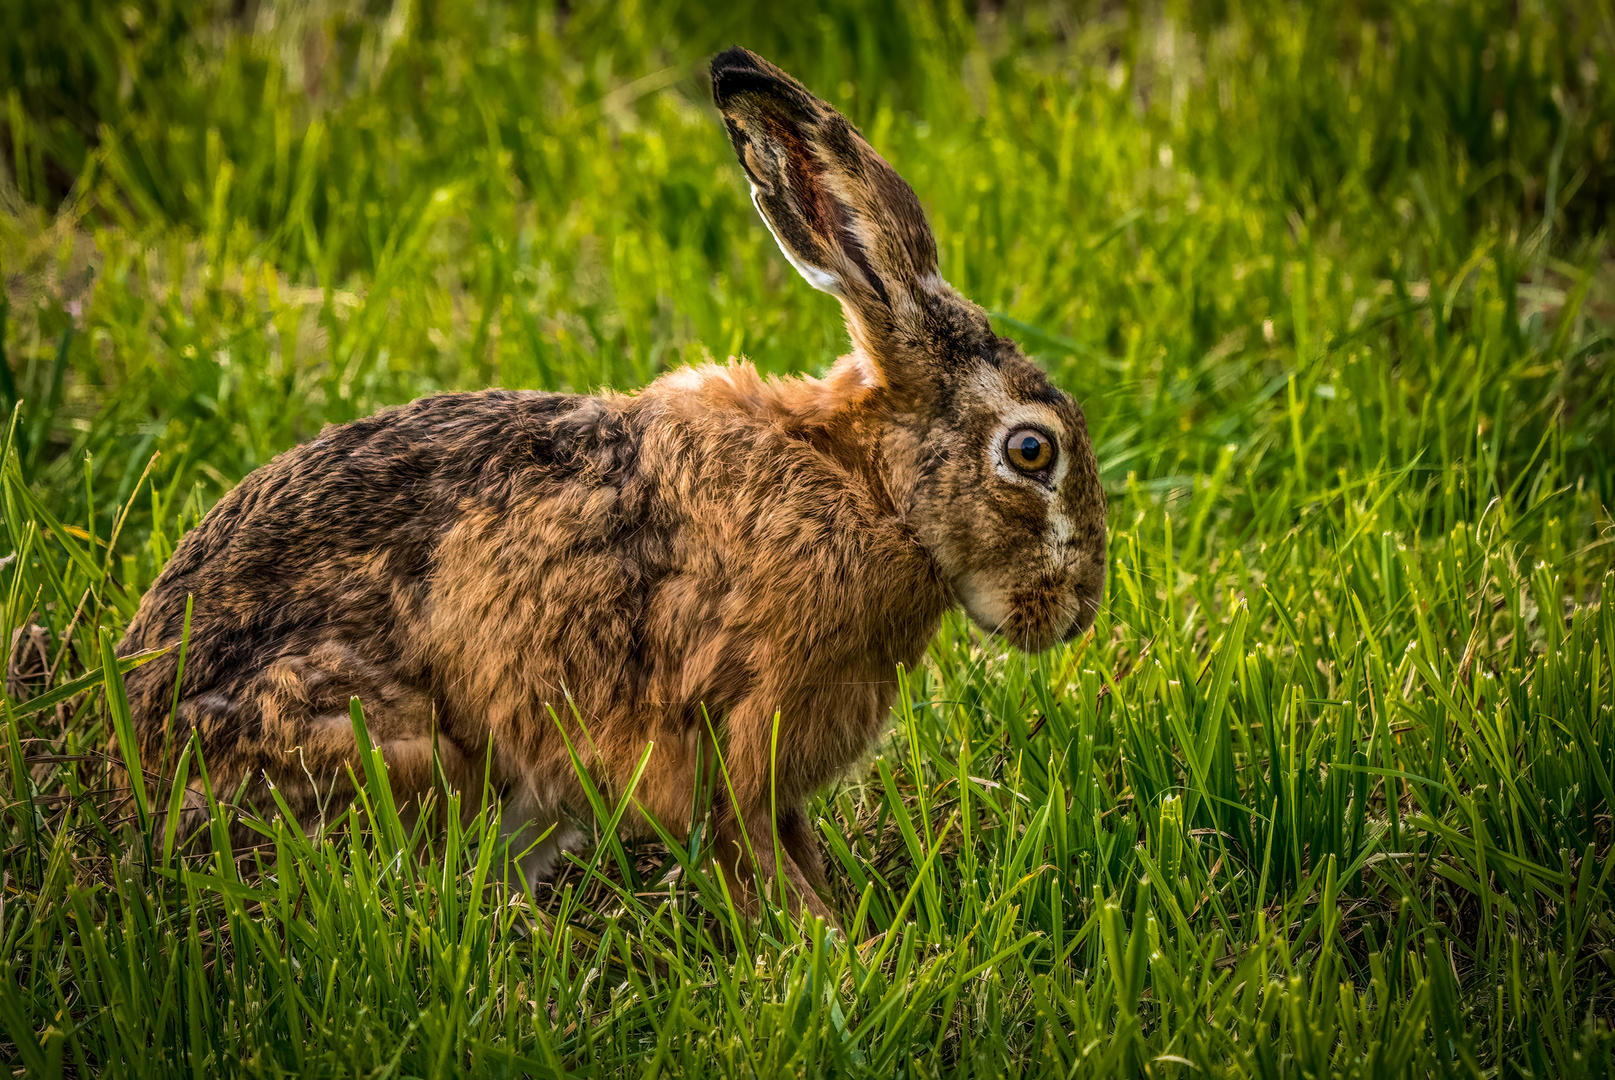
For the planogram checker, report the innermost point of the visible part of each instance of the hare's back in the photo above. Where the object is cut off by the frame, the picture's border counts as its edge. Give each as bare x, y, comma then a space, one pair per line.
386, 486
332, 543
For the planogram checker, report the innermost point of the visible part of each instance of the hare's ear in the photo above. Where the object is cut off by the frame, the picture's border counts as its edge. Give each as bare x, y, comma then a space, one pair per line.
843, 217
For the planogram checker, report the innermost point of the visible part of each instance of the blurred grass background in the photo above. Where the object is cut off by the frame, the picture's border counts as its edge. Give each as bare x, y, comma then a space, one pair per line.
1327, 793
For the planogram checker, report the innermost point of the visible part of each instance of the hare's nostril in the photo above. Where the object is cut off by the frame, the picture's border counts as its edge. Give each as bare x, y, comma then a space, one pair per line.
1079, 625
1087, 610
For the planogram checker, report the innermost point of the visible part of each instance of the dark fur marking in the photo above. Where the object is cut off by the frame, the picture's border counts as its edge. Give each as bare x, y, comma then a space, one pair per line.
855, 251
1046, 393
290, 557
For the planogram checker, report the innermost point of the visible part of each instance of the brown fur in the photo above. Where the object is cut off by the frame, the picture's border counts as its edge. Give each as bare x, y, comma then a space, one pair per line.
717, 541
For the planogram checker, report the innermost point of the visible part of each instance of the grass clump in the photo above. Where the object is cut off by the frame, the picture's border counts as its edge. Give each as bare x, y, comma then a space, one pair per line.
1328, 792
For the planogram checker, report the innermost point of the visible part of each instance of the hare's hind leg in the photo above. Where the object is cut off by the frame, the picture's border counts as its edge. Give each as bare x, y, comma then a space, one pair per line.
287, 724
536, 831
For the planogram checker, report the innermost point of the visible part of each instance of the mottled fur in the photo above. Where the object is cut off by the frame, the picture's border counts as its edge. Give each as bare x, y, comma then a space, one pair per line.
716, 541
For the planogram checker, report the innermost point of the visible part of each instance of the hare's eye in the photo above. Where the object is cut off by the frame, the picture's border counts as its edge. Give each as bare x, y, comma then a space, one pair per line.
1029, 450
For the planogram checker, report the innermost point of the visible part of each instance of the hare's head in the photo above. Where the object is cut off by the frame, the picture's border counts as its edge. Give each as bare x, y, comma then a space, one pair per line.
991, 463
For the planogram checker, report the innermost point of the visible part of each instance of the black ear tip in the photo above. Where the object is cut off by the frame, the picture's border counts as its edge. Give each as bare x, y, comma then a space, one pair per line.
735, 58
737, 71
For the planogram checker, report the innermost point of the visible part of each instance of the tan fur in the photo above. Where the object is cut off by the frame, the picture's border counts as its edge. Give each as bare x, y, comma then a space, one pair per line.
497, 575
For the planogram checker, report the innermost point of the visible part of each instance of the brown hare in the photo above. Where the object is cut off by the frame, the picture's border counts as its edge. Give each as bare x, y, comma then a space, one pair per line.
716, 545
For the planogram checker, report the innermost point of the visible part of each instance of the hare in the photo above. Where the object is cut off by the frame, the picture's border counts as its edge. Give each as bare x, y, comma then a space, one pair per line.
489, 572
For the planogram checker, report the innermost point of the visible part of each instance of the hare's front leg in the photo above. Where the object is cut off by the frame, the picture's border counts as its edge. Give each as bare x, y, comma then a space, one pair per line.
796, 837
763, 800
537, 828
746, 821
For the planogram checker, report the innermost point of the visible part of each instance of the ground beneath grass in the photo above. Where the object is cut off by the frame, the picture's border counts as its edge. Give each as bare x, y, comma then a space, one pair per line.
1327, 792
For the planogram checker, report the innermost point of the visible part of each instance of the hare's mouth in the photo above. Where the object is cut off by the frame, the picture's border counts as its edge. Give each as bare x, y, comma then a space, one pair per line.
1087, 611
1031, 617
1053, 613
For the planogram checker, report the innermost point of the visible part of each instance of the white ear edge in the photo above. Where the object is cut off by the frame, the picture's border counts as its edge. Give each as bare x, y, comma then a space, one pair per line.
822, 280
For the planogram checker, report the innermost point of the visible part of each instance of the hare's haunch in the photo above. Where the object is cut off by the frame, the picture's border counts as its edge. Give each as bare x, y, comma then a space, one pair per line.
717, 546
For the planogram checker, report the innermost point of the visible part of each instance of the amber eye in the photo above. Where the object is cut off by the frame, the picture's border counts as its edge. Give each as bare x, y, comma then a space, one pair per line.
1029, 450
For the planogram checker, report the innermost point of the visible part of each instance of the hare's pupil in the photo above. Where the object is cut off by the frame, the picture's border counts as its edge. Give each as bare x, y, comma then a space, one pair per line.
1029, 447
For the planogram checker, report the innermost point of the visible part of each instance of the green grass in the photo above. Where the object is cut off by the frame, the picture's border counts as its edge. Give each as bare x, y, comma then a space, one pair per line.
1329, 790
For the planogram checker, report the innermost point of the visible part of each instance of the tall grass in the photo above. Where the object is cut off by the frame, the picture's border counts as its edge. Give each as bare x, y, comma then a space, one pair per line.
1328, 791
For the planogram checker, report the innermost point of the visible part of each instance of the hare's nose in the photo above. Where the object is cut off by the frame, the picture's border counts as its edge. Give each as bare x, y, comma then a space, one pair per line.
1088, 598
1082, 623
